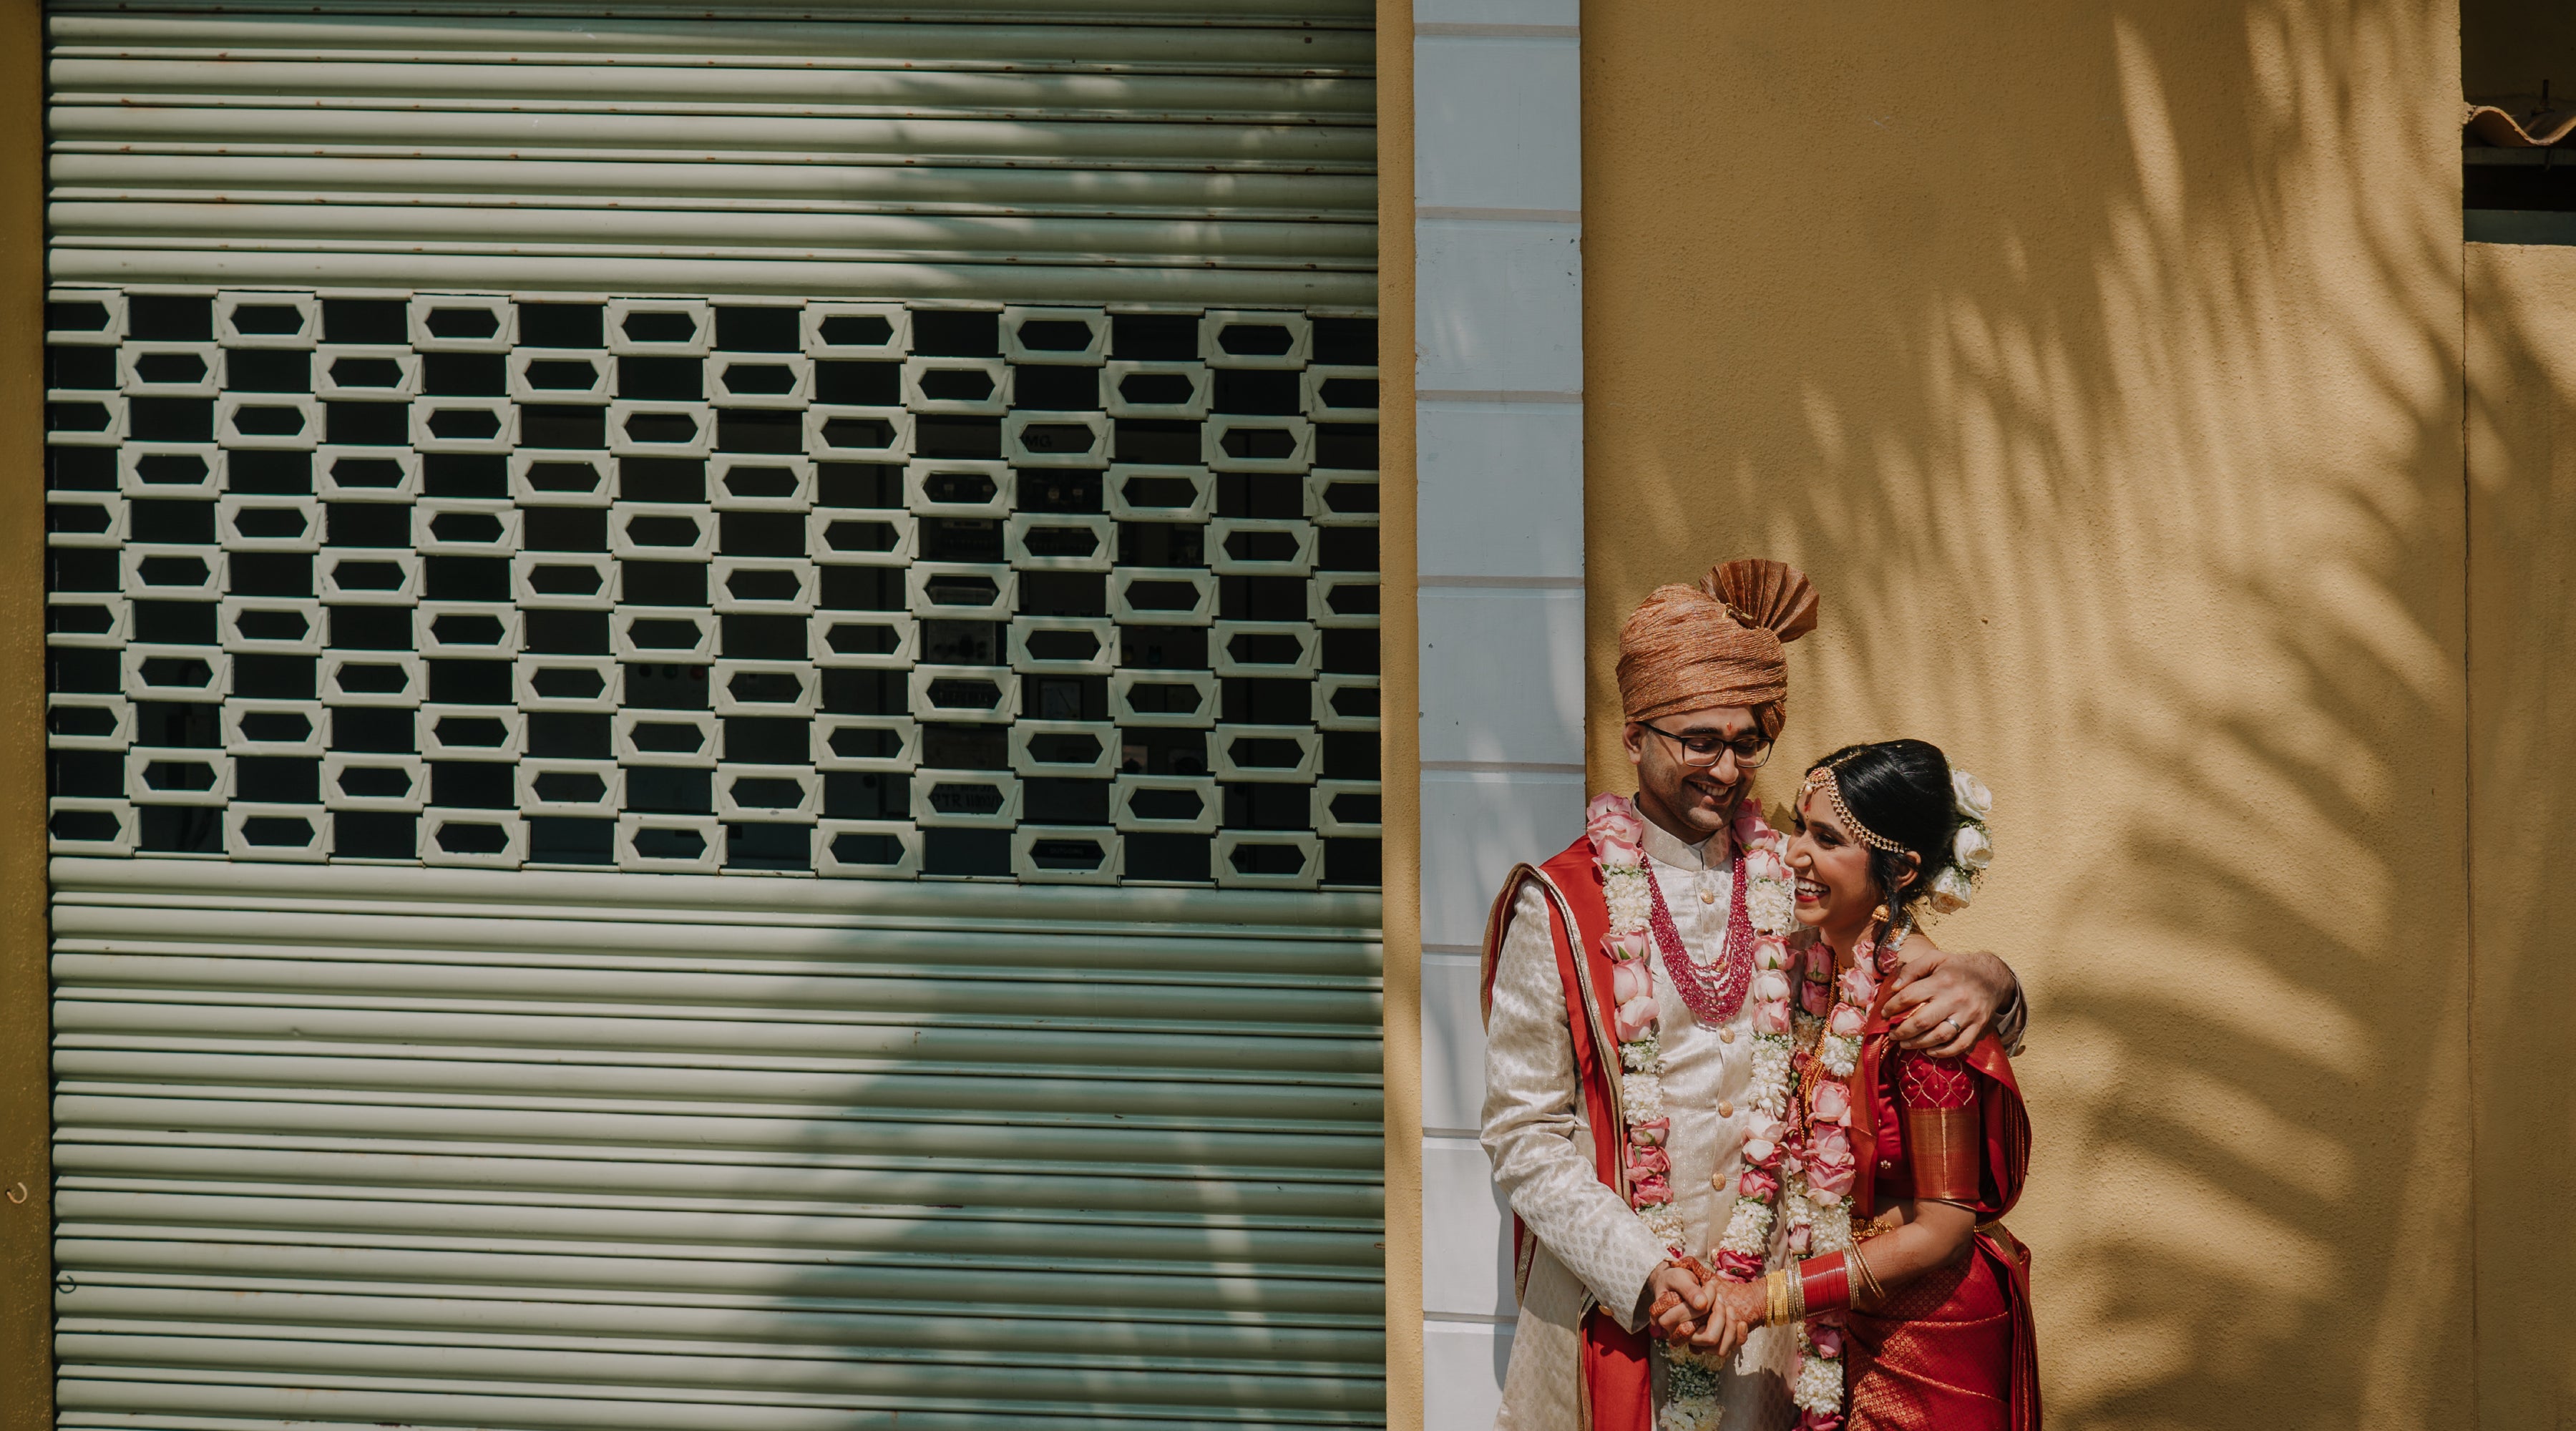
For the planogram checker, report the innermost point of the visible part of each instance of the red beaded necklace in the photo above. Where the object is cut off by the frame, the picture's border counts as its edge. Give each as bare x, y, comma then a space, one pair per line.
1712, 1003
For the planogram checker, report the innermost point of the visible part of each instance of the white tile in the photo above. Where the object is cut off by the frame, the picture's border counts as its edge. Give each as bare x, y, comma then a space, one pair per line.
1462, 1374
1466, 1233
1497, 122
1498, 306
1497, 12
1502, 674
1453, 1043
1498, 489
1475, 826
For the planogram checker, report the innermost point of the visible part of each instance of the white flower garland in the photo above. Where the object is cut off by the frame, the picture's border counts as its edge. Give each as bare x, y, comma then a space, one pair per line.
1806, 1175
1615, 830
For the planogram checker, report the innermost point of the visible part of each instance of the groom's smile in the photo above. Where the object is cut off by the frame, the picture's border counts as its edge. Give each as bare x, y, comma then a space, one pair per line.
1693, 769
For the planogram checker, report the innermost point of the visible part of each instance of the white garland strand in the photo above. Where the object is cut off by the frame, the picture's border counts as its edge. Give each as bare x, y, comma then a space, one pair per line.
1784, 1168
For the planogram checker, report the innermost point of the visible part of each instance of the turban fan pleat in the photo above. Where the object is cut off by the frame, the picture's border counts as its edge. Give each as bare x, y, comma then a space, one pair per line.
1716, 644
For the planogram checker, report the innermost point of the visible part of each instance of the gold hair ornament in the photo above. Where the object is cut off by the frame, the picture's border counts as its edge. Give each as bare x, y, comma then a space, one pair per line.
1823, 778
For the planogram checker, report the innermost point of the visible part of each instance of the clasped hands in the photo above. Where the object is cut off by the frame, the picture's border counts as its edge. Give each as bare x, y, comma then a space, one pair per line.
1687, 1303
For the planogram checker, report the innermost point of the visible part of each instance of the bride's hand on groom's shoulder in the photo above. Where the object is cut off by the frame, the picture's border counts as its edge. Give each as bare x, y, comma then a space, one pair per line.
1944, 1000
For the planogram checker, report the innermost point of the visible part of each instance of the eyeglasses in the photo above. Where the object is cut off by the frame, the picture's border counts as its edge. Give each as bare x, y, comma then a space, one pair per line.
1699, 752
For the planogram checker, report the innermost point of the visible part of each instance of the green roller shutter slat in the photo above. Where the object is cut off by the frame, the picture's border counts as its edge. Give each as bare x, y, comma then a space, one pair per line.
1040, 152
539, 1150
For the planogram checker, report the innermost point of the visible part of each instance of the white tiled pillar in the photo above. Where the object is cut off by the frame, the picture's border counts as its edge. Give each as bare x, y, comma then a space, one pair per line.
1499, 461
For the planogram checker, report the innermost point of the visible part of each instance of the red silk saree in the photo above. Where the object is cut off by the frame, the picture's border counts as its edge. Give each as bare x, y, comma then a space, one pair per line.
1951, 1349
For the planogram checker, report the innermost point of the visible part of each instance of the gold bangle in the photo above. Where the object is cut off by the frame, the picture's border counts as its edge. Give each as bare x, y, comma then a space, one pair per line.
1775, 1300
1863, 1280
1797, 1295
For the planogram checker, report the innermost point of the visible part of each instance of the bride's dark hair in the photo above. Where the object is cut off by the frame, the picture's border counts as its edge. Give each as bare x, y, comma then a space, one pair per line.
1900, 790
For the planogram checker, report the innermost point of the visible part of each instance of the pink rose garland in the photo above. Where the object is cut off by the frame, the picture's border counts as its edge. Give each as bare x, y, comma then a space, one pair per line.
1617, 834
1828, 1167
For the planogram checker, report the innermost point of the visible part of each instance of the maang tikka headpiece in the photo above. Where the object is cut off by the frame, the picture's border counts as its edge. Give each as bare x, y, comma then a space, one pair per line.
1823, 778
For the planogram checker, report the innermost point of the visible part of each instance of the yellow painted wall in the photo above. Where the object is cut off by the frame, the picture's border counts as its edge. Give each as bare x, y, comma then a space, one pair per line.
2522, 822
2102, 364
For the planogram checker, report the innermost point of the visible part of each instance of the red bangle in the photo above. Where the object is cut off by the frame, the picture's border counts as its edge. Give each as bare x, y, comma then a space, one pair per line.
1825, 1283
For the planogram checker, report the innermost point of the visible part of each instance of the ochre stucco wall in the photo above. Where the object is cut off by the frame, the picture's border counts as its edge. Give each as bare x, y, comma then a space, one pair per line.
2522, 823
2102, 364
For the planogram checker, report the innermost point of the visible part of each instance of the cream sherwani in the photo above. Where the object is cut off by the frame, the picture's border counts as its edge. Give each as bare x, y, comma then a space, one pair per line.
1592, 1248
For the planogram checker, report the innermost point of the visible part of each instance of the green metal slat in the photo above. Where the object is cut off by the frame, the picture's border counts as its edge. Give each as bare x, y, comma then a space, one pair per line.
257, 1104
1109, 147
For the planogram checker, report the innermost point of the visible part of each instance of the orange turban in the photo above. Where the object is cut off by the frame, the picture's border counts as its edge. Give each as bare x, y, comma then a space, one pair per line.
1688, 648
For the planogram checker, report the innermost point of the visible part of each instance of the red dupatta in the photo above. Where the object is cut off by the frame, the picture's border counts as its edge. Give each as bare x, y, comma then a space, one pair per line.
2006, 1124
1617, 1378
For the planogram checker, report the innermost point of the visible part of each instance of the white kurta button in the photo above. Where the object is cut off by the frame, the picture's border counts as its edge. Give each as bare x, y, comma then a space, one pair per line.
1726, 1035
1708, 896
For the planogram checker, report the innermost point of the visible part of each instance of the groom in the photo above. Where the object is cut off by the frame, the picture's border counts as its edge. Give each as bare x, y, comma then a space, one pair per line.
1703, 681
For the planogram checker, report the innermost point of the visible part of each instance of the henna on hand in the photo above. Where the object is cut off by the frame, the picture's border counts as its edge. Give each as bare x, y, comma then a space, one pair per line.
1965, 986
1680, 1331
1678, 1301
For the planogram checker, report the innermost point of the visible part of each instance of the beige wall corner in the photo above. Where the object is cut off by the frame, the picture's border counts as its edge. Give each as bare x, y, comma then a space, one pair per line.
2522, 821
26, 1227
1400, 773
2103, 368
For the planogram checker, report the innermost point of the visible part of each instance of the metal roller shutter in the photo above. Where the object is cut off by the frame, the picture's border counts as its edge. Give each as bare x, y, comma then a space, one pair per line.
527, 1150
1116, 154
712, 691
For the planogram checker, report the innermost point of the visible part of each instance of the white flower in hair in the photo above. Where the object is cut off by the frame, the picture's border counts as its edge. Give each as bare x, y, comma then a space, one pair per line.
1950, 891
1971, 850
1970, 794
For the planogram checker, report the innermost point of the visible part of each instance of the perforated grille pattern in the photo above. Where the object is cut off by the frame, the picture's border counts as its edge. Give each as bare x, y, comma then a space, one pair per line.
1045, 593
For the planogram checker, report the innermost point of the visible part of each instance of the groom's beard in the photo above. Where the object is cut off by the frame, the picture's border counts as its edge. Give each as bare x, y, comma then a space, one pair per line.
1727, 798
1683, 810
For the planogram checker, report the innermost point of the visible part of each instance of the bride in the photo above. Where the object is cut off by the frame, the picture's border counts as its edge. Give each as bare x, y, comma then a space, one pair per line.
1888, 1169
